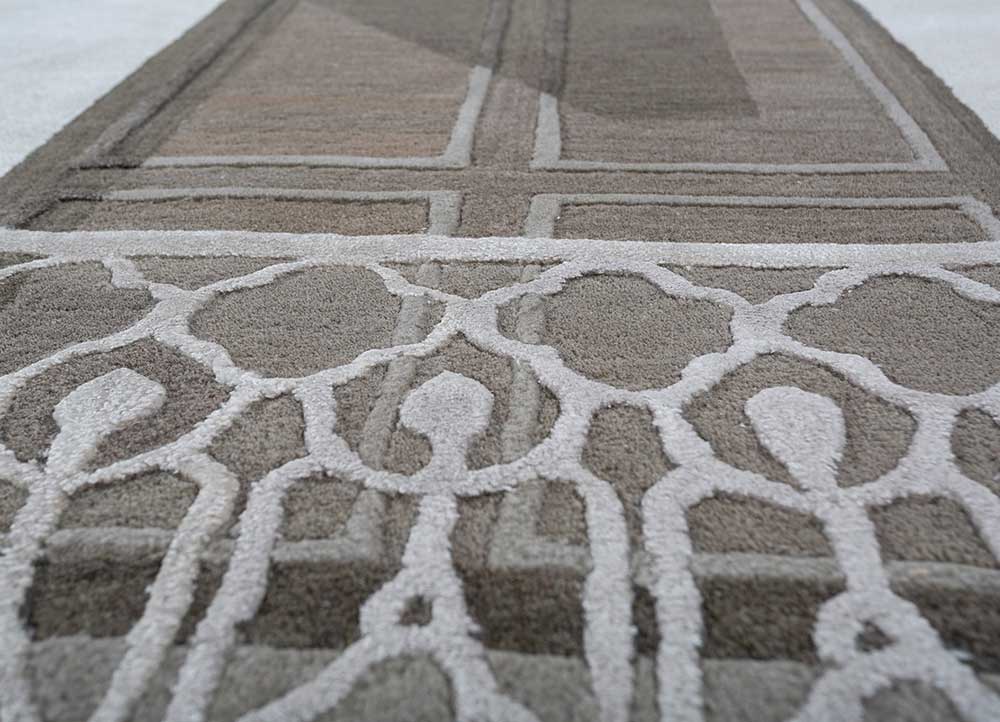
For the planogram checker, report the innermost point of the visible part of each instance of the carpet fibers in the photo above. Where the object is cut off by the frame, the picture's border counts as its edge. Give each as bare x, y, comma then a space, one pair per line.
505, 360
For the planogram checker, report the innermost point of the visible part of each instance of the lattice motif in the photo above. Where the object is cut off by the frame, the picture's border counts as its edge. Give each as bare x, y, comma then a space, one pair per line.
803, 430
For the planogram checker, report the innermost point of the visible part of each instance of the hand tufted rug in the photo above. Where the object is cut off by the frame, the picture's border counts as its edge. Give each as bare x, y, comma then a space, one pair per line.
527, 360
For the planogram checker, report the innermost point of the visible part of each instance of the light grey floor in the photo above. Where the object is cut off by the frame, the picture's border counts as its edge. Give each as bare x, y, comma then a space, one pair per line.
58, 56
958, 39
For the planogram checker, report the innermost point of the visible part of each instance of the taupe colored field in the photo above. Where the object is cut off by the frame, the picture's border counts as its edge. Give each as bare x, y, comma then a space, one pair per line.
530, 360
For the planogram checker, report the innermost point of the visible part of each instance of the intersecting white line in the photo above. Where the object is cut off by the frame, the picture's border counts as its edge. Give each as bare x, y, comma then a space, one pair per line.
420, 247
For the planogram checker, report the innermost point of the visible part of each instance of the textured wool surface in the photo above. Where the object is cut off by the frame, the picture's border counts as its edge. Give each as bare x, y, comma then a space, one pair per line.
257, 214
522, 361
782, 92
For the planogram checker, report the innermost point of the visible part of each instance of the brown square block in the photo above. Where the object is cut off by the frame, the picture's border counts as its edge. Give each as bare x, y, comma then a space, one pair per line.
963, 605
762, 616
314, 604
102, 591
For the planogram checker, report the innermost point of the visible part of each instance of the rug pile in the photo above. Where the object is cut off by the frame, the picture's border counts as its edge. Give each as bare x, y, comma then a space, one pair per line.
509, 360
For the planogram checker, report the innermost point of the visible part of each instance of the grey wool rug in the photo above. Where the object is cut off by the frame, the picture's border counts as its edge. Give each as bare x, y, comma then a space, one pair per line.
505, 361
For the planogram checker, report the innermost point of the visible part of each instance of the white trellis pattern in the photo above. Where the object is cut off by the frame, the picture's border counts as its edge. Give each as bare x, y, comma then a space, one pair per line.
803, 430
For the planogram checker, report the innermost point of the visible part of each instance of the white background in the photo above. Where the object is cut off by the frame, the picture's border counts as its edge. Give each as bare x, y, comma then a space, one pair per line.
58, 56
957, 39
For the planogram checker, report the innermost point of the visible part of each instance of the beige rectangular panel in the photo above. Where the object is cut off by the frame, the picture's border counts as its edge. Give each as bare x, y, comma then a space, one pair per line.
345, 78
746, 224
767, 86
238, 214
637, 60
